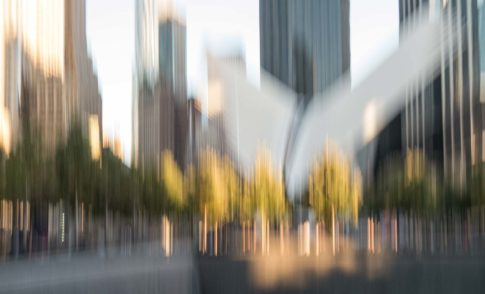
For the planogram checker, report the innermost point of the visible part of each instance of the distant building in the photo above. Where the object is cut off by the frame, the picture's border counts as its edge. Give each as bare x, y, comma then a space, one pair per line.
421, 120
156, 123
194, 130
305, 43
81, 82
48, 77
146, 42
160, 110
419, 125
145, 74
443, 117
172, 55
10, 71
173, 74
481, 25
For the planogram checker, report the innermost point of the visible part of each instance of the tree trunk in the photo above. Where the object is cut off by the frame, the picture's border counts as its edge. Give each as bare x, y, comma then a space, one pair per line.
215, 239
76, 230
282, 239
134, 232
15, 229
263, 234
267, 236
205, 230
317, 239
254, 237
106, 225
244, 237
333, 230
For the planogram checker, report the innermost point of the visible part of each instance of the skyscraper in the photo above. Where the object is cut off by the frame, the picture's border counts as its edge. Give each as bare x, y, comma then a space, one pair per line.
481, 25
160, 98
146, 41
9, 75
172, 55
305, 43
173, 74
155, 125
421, 119
59, 86
81, 81
460, 86
443, 117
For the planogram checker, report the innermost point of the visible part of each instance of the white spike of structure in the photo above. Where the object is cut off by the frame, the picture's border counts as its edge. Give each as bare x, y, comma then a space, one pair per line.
262, 117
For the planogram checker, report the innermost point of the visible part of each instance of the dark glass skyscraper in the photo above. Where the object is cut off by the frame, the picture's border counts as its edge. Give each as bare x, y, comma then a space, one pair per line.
481, 26
443, 117
421, 122
172, 56
305, 43
173, 74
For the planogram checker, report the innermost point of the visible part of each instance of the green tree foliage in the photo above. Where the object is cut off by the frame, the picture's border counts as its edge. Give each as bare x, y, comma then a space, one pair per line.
25, 177
151, 192
266, 188
335, 187
388, 190
217, 187
75, 168
410, 184
477, 187
118, 183
173, 181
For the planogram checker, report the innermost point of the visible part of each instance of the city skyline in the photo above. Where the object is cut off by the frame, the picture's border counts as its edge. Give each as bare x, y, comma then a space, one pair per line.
251, 146
111, 42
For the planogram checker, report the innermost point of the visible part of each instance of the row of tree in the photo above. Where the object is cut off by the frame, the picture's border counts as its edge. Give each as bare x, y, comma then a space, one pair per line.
213, 189
414, 184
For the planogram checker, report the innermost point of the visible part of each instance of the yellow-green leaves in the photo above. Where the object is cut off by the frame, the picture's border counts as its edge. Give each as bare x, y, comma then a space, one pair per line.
335, 184
267, 188
218, 187
173, 180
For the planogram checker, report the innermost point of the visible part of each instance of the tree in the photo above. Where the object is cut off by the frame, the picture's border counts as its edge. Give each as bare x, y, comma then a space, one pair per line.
75, 169
388, 188
268, 195
24, 177
477, 186
173, 181
335, 189
217, 188
151, 192
2, 174
212, 197
267, 189
410, 184
420, 184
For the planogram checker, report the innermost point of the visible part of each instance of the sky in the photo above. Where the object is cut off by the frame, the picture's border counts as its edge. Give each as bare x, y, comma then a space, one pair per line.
218, 26
110, 33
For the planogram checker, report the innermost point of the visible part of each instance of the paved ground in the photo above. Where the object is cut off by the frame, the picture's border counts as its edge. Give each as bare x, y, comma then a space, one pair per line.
145, 272
361, 274
90, 273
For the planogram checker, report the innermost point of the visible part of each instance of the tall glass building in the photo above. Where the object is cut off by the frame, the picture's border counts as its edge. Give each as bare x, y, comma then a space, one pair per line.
481, 11
421, 119
305, 43
442, 117
172, 56
146, 45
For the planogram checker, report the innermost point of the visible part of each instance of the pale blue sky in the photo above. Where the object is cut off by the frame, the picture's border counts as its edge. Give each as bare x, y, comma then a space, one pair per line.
218, 25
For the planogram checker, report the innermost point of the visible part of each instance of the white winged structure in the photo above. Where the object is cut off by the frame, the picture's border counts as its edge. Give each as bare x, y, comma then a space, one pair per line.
264, 117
